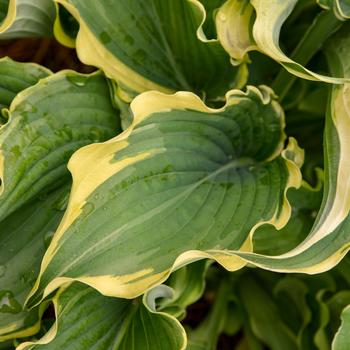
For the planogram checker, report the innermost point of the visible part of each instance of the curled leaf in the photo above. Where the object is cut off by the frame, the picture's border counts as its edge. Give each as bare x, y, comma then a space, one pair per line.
256, 24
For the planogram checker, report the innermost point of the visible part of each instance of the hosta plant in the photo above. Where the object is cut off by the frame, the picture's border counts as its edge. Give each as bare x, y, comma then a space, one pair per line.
191, 192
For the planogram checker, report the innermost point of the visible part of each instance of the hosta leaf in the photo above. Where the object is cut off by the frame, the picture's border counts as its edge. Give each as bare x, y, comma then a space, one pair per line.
183, 182
26, 18
47, 123
341, 339
328, 241
87, 320
16, 77
154, 45
24, 237
255, 25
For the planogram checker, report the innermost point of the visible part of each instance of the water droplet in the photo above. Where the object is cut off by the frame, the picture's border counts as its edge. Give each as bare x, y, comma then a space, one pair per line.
2, 270
314, 214
88, 208
48, 238
105, 38
222, 16
78, 80
96, 196
8, 304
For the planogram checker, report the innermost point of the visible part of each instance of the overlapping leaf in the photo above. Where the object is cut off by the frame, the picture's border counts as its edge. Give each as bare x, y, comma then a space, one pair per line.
26, 18
24, 237
17, 279
16, 77
87, 320
46, 124
155, 45
255, 25
328, 241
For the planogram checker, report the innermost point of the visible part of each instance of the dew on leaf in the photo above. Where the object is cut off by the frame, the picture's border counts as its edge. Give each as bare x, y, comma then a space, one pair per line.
8, 303
88, 208
78, 80
222, 16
